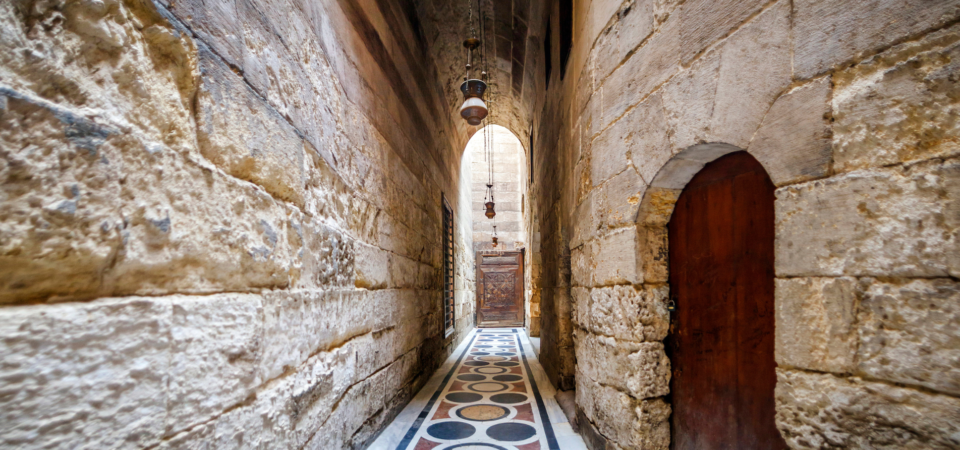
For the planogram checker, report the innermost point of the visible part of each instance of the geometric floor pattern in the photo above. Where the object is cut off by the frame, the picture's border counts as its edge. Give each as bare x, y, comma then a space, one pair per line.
486, 400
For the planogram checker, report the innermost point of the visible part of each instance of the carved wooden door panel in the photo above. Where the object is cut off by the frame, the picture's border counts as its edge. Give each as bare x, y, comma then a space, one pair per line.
500, 290
722, 333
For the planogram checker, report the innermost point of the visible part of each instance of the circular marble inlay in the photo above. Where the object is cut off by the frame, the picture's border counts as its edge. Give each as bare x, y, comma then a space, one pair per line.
477, 363
451, 430
487, 386
464, 397
511, 432
492, 358
508, 378
504, 364
509, 399
483, 413
472, 377
490, 370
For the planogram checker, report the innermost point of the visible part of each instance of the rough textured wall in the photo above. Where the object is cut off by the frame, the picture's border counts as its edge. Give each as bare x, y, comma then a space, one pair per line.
219, 222
852, 108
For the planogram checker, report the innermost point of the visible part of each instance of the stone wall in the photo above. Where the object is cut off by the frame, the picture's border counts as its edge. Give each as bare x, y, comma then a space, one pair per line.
220, 222
852, 107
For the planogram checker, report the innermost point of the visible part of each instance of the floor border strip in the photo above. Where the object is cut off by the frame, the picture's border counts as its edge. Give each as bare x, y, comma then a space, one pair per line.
552, 443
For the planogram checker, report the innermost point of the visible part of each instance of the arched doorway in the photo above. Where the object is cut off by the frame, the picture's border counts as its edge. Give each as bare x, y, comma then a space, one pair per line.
721, 342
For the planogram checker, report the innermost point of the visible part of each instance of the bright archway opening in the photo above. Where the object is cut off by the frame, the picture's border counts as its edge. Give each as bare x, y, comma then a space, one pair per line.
494, 157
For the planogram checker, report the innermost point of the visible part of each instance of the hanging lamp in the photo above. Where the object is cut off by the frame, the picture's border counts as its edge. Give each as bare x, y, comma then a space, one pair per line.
488, 203
494, 235
474, 110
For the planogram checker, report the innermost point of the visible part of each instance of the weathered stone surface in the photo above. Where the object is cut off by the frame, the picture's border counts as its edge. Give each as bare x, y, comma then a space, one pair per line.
371, 266
829, 34
816, 326
888, 222
652, 254
216, 23
821, 410
909, 333
646, 69
246, 138
328, 256
90, 374
901, 105
621, 198
703, 22
640, 369
215, 348
614, 258
628, 422
793, 142
744, 95
633, 23
688, 102
608, 153
626, 313
646, 137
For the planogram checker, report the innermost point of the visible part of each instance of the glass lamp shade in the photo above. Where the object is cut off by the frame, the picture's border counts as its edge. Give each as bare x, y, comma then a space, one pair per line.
490, 212
473, 110
494, 241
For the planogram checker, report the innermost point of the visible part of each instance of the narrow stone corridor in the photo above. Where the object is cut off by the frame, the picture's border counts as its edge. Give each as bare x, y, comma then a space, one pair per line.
491, 394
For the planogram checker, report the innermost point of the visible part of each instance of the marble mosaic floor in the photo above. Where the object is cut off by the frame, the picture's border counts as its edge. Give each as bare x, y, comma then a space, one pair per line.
491, 394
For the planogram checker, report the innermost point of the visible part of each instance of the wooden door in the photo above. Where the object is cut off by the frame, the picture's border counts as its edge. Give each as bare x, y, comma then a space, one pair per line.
500, 289
721, 339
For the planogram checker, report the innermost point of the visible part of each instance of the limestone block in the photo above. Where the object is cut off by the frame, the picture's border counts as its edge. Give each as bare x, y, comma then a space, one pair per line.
646, 137
241, 134
653, 254
628, 422
688, 101
216, 23
59, 218
284, 62
832, 33
639, 368
300, 323
909, 333
633, 24
745, 95
652, 64
587, 218
621, 198
371, 266
215, 350
581, 264
608, 154
816, 323
793, 142
901, 105
580, 304
92, 374
886, 222
615, 258
626, 313
822, 410
328, 259
703, 22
